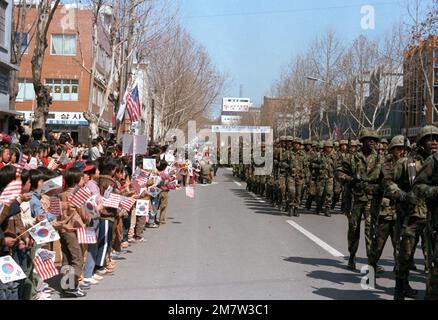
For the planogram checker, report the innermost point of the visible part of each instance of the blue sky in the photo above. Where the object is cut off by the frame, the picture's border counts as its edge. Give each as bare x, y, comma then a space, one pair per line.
251, 40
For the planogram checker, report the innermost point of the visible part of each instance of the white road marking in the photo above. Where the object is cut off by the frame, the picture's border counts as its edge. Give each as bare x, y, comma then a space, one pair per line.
315, 239
238, 183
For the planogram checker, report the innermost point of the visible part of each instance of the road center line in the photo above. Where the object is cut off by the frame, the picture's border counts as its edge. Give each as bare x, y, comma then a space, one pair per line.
238, 183
315, 239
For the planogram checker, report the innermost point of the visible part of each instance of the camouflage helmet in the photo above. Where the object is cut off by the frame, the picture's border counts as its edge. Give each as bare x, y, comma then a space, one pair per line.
314, 144
343, 142
426, 131
368, 133
283, 138
307, 142
354, 143
399, 141
328, 143
321, 144
336, 144
383, 140
289, 138
298, 140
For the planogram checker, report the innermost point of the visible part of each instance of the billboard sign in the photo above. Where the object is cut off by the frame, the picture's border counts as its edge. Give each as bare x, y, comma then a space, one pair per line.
236, 104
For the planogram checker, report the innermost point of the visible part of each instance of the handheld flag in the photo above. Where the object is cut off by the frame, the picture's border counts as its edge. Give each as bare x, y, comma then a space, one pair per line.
44, 263
112, 201
10, 270
55, 206
79, 198
43, 232
142, 208
127, 203
86, 236
11, 192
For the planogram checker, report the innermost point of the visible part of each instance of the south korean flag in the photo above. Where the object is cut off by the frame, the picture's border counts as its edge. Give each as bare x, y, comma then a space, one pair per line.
10, 270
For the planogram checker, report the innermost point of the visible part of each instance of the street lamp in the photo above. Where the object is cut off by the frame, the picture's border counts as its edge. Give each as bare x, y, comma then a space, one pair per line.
315, 79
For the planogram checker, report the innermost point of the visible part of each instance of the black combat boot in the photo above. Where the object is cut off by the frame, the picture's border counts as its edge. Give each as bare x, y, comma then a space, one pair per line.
295, 211
399, 291
309, 203
409, 291
352, 263
327, 212
290, 212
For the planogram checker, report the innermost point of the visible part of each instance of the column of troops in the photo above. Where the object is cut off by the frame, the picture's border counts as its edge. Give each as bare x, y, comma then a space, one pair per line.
392, 186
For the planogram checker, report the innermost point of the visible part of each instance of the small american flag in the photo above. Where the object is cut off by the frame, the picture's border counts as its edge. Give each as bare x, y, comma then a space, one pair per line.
11, 192
44, 263
55, 206
127, 203
21, 164
53, 165
142, 181
86, 235
133, 105
79, 198
112, 201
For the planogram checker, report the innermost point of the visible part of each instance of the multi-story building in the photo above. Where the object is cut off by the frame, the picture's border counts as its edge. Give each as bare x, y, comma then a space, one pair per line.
67, 71
421, 85
6, 9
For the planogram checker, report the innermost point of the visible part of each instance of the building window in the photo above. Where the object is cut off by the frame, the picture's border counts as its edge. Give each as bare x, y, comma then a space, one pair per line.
4, 81
63, 90
22, 38
435, 76
64, 44
25, 90
3, 6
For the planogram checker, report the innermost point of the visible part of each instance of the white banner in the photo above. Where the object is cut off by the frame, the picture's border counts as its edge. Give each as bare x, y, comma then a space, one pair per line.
240, 129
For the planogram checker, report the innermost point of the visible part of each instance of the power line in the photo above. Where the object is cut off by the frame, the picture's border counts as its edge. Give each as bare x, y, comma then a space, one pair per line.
272, 12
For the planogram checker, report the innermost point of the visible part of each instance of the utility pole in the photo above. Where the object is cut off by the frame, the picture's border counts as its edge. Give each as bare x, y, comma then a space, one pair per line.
152, 119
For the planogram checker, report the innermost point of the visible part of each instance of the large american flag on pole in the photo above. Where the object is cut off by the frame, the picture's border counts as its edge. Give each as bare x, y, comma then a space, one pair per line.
133, 104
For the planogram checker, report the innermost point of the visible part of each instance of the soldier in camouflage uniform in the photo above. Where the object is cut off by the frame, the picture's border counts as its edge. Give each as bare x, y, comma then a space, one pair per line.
338, 187
414, 220
426, 189
386, 224
282, 172
307, 156
398, 174
362, 170
314, 172
296, 177
325, 182
385, 145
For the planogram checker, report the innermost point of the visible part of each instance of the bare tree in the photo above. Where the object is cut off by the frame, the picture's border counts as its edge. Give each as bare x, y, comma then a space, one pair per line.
184, 79
21, 29
45, 11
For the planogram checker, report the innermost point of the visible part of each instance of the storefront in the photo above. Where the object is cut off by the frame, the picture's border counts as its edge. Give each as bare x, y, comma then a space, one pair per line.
71, 122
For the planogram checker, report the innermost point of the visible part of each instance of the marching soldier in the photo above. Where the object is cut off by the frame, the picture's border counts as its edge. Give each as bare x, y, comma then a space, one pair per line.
398, 174
281, 189
362, 170
314, 172
386, 224
426, 189
296, 177
307, 154
325, 182
416, 220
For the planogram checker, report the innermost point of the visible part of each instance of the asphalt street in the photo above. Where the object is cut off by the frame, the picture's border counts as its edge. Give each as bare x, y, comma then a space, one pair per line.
228, 244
